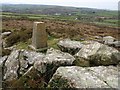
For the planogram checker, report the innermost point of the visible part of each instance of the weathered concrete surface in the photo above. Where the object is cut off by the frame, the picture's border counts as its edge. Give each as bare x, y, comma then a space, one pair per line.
79, 77
39, 38
97, 54
69, 46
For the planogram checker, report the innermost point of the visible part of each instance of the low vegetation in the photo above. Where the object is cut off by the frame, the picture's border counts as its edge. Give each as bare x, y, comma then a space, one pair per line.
18, 36
35, 12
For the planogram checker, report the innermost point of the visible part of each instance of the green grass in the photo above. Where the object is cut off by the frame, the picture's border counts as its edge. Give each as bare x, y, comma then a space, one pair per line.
22, 45
52, 42
107, 22
35, 16
111, 21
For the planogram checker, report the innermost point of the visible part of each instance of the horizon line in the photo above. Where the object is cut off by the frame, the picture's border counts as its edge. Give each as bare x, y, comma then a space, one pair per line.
60, 5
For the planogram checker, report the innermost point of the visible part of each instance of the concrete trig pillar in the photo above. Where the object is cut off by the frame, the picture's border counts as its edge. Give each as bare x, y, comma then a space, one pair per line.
39, 37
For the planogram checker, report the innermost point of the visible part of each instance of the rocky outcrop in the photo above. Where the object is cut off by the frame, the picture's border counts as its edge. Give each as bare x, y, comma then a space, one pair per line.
105, 56
30, 69
97, 54
82, 57
69, 46
12, 65
111, 41
24, 67
27, 59
116, 43
79, 77
18, 62
53, 58
2, 60
108, 39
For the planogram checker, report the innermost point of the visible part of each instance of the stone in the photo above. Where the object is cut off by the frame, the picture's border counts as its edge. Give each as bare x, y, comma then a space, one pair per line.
108, 39
12, 65
116, 43
5, 34
53, 59
69, 46
97, 37
2, 60
85, 78
17, 68
42, 67
39, 38
89, 50
106, 56
57, 57
108, 74
27, 58
32, 56
97, 54
82, 57
18, 63
87, 42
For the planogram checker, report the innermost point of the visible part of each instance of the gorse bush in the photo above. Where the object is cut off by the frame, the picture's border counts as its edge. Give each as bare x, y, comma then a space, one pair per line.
18, 36
5, 30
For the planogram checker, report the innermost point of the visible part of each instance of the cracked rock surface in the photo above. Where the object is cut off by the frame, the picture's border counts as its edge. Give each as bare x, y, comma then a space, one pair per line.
18, 62
70, 46
90, 77
54, 58
97, 54
30, 69
21, 66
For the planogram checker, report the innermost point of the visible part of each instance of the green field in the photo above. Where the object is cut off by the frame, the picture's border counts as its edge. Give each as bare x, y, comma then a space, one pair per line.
36, 12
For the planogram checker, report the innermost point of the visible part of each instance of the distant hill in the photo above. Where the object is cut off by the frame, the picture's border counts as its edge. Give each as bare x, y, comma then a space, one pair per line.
53, 10
28, 11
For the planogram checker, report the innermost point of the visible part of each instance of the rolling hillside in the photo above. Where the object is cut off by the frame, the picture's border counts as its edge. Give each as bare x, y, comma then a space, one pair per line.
97, 16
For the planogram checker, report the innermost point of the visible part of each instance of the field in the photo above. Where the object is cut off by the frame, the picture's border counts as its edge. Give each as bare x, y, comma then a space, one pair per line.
61, 22
96, 16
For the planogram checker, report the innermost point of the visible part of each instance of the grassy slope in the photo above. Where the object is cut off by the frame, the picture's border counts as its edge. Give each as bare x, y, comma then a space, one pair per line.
49, 11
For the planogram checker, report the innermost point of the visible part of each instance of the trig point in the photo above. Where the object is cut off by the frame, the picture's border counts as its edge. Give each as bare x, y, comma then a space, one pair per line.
39, 37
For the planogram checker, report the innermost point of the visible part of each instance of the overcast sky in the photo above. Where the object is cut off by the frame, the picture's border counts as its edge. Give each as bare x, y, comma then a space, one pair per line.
100, 4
